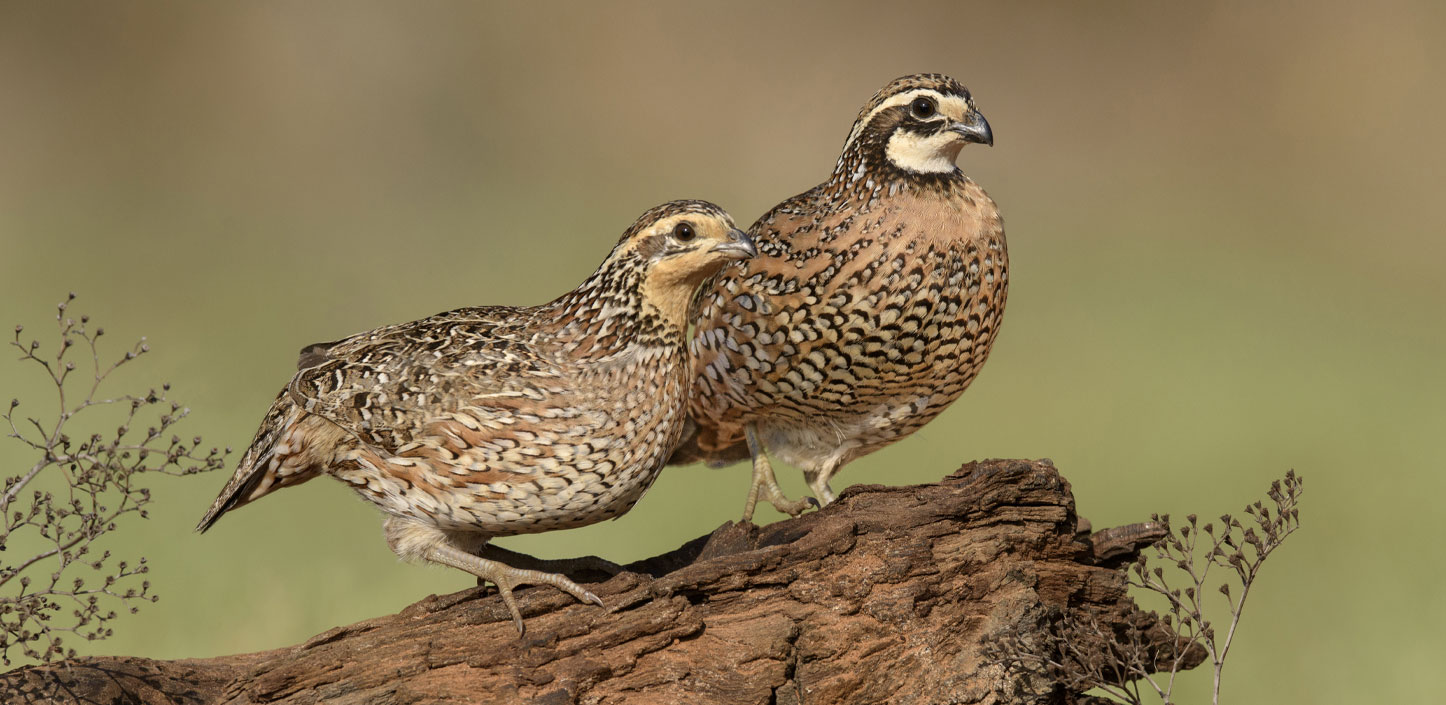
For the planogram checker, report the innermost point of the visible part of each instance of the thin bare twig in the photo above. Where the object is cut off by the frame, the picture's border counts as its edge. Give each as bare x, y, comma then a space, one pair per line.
1083, 655
102, 479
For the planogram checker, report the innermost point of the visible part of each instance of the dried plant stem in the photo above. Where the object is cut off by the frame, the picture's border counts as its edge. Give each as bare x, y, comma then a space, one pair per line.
101, 477
1081, 653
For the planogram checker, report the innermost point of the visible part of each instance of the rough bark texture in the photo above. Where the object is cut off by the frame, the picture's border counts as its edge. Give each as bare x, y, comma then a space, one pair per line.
888, 595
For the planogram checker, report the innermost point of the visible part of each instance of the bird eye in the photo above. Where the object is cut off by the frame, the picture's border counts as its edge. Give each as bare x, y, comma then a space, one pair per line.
683, 232
923, 107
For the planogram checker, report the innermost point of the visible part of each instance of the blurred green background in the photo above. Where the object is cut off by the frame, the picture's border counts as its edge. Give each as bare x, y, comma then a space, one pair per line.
1224, 262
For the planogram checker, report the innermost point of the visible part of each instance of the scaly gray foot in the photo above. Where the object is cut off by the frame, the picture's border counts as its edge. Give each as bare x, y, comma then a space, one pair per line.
765, 482
506, 578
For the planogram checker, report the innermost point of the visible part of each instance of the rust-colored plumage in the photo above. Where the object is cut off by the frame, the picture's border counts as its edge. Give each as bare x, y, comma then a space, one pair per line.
494, 421
872, 305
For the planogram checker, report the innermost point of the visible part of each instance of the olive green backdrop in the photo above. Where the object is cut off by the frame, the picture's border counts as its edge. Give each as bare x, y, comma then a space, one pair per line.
1224, 220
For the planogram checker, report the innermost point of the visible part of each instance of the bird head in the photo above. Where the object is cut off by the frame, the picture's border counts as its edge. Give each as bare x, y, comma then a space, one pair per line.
683, 241
918, 124
679, 245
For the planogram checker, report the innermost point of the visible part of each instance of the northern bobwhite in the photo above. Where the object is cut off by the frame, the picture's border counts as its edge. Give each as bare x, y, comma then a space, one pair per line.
872, 304
495, 421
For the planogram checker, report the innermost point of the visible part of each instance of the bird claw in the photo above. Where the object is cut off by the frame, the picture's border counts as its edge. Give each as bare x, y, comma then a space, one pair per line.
507, 579
792, 507
765, 484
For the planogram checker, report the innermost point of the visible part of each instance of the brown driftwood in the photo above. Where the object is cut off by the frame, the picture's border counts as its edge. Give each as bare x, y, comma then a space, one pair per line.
888, 595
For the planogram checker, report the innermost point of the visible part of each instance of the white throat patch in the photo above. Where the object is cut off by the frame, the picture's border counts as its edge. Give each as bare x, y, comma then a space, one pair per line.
924, 154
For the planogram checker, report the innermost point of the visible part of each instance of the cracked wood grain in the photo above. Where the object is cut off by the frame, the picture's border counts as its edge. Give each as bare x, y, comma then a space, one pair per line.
884, 596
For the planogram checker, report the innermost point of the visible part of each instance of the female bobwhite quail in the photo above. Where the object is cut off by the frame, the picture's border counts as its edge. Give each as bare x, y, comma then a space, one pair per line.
501, 420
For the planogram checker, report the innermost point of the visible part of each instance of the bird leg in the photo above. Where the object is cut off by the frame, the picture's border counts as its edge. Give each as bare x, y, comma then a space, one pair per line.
506, 577
550, 565
818, 481
766, 482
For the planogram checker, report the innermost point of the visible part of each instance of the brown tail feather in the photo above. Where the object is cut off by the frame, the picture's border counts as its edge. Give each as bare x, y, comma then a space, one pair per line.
255, 466
231, 496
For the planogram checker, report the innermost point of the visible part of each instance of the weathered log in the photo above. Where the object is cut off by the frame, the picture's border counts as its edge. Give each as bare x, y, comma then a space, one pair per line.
888, 595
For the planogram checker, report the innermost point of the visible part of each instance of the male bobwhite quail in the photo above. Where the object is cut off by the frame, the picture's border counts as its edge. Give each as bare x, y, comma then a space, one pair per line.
871, 306
501, 420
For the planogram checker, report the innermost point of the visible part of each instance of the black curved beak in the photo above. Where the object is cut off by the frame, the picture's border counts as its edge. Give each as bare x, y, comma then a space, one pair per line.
738, 246
975, 129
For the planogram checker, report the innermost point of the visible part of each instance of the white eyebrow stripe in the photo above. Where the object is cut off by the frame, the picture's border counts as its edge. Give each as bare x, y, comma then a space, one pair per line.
901, 99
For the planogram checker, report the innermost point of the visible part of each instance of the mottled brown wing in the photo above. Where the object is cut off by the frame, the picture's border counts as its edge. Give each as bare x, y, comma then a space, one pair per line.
385, 386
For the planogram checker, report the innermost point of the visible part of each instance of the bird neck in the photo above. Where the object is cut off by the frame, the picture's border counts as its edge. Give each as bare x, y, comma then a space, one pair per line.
609, 313
865, 172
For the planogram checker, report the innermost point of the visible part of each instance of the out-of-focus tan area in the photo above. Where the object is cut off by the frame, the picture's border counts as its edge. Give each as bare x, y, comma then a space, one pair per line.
1226, 245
